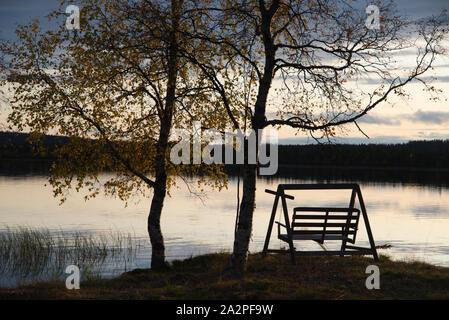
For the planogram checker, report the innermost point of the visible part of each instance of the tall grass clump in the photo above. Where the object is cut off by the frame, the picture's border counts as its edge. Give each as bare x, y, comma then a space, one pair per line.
29, 254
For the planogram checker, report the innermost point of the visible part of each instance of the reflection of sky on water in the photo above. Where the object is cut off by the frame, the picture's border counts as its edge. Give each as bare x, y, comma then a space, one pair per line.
430, 210
413, 219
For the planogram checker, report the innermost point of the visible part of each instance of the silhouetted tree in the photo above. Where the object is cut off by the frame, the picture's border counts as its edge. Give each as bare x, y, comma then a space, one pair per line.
120, 78
315, 50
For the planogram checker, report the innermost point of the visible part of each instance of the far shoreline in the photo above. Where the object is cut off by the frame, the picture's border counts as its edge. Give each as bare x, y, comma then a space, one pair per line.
281, 166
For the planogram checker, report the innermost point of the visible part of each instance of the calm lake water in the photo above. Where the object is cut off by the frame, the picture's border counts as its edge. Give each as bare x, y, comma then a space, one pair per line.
412, 218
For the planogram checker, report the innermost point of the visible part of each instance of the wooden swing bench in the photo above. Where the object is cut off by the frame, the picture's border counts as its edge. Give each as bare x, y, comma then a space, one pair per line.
321, 223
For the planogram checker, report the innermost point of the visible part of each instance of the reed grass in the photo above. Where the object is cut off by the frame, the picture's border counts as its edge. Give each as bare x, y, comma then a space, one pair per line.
30, 254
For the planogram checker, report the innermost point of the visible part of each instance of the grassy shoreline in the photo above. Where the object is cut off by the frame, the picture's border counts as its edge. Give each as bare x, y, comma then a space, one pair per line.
39, 254
271, 277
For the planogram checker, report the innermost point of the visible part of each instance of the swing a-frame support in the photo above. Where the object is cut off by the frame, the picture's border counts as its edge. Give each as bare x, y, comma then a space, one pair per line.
320, 224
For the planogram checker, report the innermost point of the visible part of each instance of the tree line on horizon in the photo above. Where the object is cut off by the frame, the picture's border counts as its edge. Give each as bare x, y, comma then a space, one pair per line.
414, 154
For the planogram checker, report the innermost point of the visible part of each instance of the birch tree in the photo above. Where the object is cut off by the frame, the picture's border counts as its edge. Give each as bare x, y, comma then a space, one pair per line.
301, 63
116, 86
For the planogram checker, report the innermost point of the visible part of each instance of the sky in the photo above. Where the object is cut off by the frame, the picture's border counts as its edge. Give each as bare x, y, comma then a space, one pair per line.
416, 118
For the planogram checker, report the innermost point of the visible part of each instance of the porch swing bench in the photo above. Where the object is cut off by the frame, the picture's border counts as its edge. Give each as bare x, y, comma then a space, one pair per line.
320, 224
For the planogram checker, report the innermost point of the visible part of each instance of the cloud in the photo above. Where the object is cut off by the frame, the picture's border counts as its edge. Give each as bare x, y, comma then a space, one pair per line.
429, 117
432, 135
419, 8
420, 116
347, 140
426, 118
378, 119
13, 12
430, 79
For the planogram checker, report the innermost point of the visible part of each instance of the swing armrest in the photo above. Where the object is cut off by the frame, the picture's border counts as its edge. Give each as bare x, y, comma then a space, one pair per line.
279, 226
275, 193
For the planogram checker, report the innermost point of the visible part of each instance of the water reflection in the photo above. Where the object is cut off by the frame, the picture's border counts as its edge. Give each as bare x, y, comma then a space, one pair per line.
412, 217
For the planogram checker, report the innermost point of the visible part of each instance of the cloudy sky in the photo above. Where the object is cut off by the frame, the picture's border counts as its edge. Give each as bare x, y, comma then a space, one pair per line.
413, 119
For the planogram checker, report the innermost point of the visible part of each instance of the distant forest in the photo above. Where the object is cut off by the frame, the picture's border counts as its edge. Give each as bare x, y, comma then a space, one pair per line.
415, 154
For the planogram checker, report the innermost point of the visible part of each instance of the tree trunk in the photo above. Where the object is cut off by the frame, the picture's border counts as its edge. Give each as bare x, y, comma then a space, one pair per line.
154, 225
166, 118
237, 265
160, 191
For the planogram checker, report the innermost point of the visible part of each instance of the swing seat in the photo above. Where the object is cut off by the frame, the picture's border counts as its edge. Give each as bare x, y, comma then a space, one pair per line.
327, 224
320, 224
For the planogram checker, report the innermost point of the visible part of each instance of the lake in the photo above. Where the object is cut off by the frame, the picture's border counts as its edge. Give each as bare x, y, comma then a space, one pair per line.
411, 217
